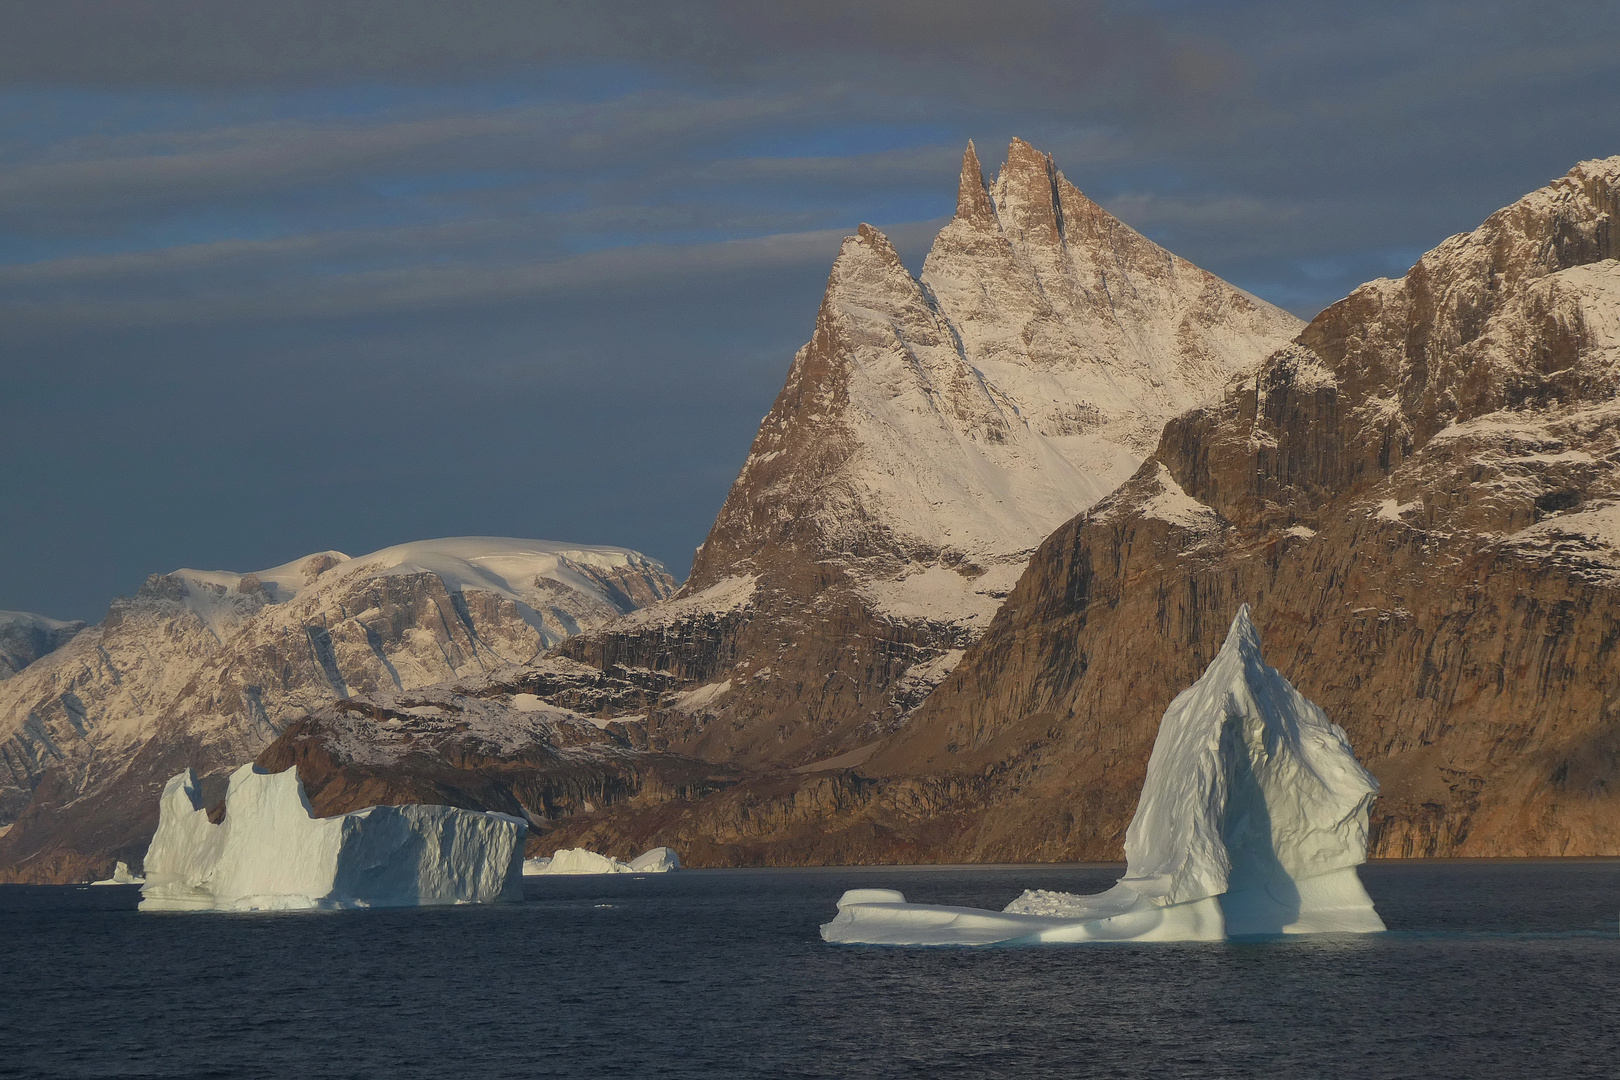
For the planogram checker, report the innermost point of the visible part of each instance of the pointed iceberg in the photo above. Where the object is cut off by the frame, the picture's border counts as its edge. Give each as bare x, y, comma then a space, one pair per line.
1252, 820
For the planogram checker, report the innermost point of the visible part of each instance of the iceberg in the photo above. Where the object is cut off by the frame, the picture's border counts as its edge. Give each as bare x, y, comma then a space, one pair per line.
270, 853
658, 860
121, 876
1252, 821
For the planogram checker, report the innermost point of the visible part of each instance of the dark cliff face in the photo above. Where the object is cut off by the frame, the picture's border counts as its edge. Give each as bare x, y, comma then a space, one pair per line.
552, 772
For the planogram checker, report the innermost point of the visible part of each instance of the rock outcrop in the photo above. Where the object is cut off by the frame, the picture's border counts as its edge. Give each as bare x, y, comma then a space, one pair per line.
481, 746
931, 433
205, 669
1420, 498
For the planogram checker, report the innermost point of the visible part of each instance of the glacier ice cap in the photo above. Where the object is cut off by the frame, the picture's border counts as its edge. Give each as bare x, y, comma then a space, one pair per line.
1250, 787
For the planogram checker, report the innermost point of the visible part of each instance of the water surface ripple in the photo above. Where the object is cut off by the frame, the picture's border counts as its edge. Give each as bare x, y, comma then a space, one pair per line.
1491, 970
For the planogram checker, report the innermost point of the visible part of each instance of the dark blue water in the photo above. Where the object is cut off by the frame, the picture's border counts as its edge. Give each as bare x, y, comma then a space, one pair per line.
1491, 970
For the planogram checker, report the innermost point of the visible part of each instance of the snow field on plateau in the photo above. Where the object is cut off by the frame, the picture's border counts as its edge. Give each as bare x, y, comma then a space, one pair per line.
526, 572
1251, 821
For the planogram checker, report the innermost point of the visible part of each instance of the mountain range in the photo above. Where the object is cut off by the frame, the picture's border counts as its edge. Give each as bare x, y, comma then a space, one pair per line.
1000, 513
207, 668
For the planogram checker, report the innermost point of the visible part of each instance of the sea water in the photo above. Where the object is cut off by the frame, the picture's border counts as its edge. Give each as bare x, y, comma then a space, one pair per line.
1490, 969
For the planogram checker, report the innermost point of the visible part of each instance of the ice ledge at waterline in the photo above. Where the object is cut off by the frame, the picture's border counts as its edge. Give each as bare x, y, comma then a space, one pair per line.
579, 861
1252, 820
270, 852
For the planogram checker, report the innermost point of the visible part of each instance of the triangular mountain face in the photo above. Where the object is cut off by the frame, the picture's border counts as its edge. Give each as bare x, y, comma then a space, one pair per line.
205, 669
1421, 500
929, 436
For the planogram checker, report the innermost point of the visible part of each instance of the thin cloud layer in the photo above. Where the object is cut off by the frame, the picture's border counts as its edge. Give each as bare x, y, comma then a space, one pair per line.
255, 257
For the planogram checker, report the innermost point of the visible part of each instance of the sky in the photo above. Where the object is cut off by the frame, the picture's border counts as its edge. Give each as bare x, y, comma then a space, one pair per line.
278, 278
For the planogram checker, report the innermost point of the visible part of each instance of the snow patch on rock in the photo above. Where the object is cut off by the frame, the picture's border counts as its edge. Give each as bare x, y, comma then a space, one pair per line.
966, 596
1174, 505
733, 593
700, 697
1390, 510
1589, 536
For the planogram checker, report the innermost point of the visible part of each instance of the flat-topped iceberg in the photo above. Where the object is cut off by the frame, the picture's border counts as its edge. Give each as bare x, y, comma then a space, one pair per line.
271, 853
1252, 820
658, 860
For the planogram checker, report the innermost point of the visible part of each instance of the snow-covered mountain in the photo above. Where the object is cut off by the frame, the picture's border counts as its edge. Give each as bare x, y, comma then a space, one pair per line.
931, 433
25, 637
205, 668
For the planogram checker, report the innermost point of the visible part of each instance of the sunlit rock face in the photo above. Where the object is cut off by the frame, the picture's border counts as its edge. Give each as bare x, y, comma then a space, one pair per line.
1419, 500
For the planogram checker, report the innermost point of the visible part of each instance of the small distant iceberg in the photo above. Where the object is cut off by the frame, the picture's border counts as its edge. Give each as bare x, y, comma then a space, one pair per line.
1252, 821
121, 876
659, 860
270, 853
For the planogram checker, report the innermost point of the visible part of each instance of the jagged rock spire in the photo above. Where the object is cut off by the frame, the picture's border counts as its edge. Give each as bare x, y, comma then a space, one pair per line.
879, 244
1027, 194
972, 200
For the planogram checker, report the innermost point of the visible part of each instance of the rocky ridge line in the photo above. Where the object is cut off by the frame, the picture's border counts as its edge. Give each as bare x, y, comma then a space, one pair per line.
931, 433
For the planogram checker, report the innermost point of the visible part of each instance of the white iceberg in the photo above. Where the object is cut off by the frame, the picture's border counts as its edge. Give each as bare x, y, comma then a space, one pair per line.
658, 860
121, 876
1252, 820
270, 852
